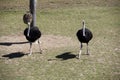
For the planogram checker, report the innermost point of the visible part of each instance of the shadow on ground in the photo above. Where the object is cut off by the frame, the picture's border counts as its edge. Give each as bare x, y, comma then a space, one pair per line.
66, 56
14, 55
11, 43
63, 56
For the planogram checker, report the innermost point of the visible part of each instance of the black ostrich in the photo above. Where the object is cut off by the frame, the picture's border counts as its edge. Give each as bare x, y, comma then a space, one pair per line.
33, 33
84, 35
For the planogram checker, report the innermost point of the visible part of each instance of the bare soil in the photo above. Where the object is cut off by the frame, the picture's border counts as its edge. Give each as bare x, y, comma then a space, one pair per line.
18, 43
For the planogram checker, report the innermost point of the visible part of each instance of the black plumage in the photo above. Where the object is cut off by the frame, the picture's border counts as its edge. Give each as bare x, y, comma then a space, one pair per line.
33, 35
84, 35
84, 39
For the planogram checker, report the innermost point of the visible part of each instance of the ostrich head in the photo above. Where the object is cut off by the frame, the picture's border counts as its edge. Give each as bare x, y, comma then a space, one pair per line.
27, 18
83, 22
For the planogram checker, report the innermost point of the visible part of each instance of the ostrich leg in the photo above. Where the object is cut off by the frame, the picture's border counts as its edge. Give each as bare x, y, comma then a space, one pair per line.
30, 50
39, 43
80, 50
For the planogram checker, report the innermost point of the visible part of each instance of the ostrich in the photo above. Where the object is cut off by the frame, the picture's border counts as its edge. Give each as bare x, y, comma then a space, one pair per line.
32, 33
84, 35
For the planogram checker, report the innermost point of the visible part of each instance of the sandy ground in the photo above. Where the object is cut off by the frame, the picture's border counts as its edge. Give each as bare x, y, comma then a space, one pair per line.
18, 43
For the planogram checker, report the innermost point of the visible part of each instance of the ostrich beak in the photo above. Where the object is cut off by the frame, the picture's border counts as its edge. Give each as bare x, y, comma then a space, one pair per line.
28, 33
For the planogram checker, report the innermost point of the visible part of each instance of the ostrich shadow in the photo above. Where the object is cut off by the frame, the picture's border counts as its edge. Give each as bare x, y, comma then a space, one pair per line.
64, 56
11, 43
14, 55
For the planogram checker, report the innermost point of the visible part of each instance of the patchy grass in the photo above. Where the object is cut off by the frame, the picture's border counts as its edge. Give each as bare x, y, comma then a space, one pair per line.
102, 64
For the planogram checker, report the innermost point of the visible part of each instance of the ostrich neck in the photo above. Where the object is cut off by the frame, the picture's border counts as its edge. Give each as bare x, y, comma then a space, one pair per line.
83, 29
28, 33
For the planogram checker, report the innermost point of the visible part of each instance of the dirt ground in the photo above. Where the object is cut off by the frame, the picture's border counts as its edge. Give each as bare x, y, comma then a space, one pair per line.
18, 43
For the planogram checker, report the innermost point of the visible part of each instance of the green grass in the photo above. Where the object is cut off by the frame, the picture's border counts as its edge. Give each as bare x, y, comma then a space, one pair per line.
10, 22
102, 64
